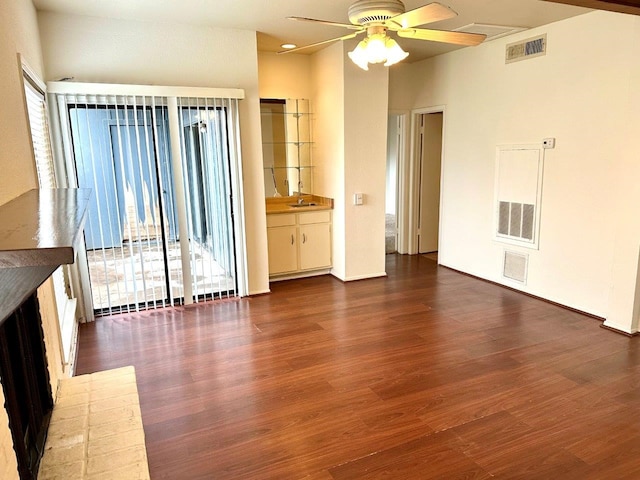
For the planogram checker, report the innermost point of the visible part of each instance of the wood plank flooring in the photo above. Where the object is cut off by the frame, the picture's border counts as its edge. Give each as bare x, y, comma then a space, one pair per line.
424, 374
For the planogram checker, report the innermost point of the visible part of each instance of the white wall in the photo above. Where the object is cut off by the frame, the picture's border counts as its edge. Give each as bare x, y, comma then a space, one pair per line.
585, 93
120, 51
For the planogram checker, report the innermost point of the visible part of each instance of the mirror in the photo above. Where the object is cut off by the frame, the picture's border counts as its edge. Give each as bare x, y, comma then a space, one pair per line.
286, 147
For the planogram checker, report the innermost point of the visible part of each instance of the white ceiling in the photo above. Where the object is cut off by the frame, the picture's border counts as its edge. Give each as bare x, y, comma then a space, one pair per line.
268, 17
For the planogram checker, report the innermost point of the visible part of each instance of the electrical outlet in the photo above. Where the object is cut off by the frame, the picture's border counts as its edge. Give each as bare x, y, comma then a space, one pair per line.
549, 143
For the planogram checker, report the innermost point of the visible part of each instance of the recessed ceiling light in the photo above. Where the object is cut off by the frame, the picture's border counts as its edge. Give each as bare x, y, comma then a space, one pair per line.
288, 46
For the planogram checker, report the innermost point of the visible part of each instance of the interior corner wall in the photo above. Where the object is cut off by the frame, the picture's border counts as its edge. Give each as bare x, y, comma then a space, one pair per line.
327, 72
583, 92
366, 110
350, 156
133, 52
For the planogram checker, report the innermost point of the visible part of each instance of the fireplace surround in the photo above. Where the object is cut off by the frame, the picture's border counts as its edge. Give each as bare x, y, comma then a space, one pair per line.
39, 231
26, 385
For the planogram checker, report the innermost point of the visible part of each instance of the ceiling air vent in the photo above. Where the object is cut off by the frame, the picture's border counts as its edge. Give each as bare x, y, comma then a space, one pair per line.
525, 49
491, 31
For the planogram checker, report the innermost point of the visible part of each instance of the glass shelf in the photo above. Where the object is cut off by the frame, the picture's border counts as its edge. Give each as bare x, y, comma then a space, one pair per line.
286, 113
286, 146
302, 167
288, 143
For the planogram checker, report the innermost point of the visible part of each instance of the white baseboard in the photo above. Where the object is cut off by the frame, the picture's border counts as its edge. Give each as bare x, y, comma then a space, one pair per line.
364, 277
621, 328
259, 292
293, 276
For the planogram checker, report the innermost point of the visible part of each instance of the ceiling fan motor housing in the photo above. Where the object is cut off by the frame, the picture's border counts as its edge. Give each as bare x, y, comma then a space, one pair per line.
364, 12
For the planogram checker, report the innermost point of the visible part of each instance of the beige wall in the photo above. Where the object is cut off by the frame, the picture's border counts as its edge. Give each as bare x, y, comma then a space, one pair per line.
351, 144
8, 463
365, 131
121, 51
584, 93
349, 152
19, 35
328, 93
284, 76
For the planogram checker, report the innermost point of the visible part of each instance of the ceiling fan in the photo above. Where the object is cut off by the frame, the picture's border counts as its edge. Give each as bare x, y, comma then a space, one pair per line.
377, 17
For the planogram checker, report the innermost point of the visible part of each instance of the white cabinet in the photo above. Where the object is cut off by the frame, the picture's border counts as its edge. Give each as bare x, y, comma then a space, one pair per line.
282, 238
299, 242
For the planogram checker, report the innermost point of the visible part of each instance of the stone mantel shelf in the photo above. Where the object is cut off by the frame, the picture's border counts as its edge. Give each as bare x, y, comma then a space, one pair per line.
39, 231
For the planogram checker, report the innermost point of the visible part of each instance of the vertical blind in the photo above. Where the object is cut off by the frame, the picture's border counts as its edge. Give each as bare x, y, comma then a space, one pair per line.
163, 227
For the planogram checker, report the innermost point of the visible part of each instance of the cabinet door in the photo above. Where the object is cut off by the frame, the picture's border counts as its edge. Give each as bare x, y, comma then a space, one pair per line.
315, 246
283, 248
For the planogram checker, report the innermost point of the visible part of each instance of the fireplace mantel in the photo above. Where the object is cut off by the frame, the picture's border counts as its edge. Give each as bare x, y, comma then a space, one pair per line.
39, 231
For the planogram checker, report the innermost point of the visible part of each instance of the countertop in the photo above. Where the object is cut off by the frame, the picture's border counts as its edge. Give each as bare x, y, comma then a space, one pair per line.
277, 205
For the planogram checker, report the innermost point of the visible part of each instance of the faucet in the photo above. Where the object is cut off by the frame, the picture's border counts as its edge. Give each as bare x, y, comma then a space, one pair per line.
300, 200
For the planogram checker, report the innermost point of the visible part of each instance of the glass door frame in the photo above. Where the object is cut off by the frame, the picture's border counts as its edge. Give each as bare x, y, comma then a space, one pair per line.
229, 97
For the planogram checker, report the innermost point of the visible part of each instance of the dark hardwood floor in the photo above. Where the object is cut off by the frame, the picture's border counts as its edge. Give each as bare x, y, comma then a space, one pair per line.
427, 373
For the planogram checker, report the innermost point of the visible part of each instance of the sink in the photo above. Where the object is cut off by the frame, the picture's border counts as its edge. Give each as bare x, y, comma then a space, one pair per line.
304, 204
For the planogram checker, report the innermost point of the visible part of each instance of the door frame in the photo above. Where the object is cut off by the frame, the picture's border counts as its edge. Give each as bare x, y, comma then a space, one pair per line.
62, 148
411, 174
400, 120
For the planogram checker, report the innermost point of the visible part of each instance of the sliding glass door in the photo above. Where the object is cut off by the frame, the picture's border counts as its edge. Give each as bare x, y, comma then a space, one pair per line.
160, 228
206, 163
115, 156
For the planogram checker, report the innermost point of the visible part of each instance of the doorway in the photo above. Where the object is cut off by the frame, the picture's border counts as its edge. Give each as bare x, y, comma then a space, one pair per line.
419, 180
429, 155
394, 154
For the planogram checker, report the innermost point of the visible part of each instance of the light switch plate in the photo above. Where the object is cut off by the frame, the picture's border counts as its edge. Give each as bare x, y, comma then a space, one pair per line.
549, 143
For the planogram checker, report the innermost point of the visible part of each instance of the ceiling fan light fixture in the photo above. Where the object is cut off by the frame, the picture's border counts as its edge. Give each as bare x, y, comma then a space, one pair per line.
395, 53
359, 55
377, 48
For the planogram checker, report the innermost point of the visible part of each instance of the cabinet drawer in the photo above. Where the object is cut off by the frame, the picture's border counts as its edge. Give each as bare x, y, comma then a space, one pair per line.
323, 216
281, 220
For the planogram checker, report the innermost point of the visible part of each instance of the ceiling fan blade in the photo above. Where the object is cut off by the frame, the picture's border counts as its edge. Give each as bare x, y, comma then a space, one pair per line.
445, 36
325, 22
345, 37
430, 13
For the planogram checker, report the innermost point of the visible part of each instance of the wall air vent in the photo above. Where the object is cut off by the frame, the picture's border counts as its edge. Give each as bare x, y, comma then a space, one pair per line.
516, 220
518, 194
515, 266
525, 49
